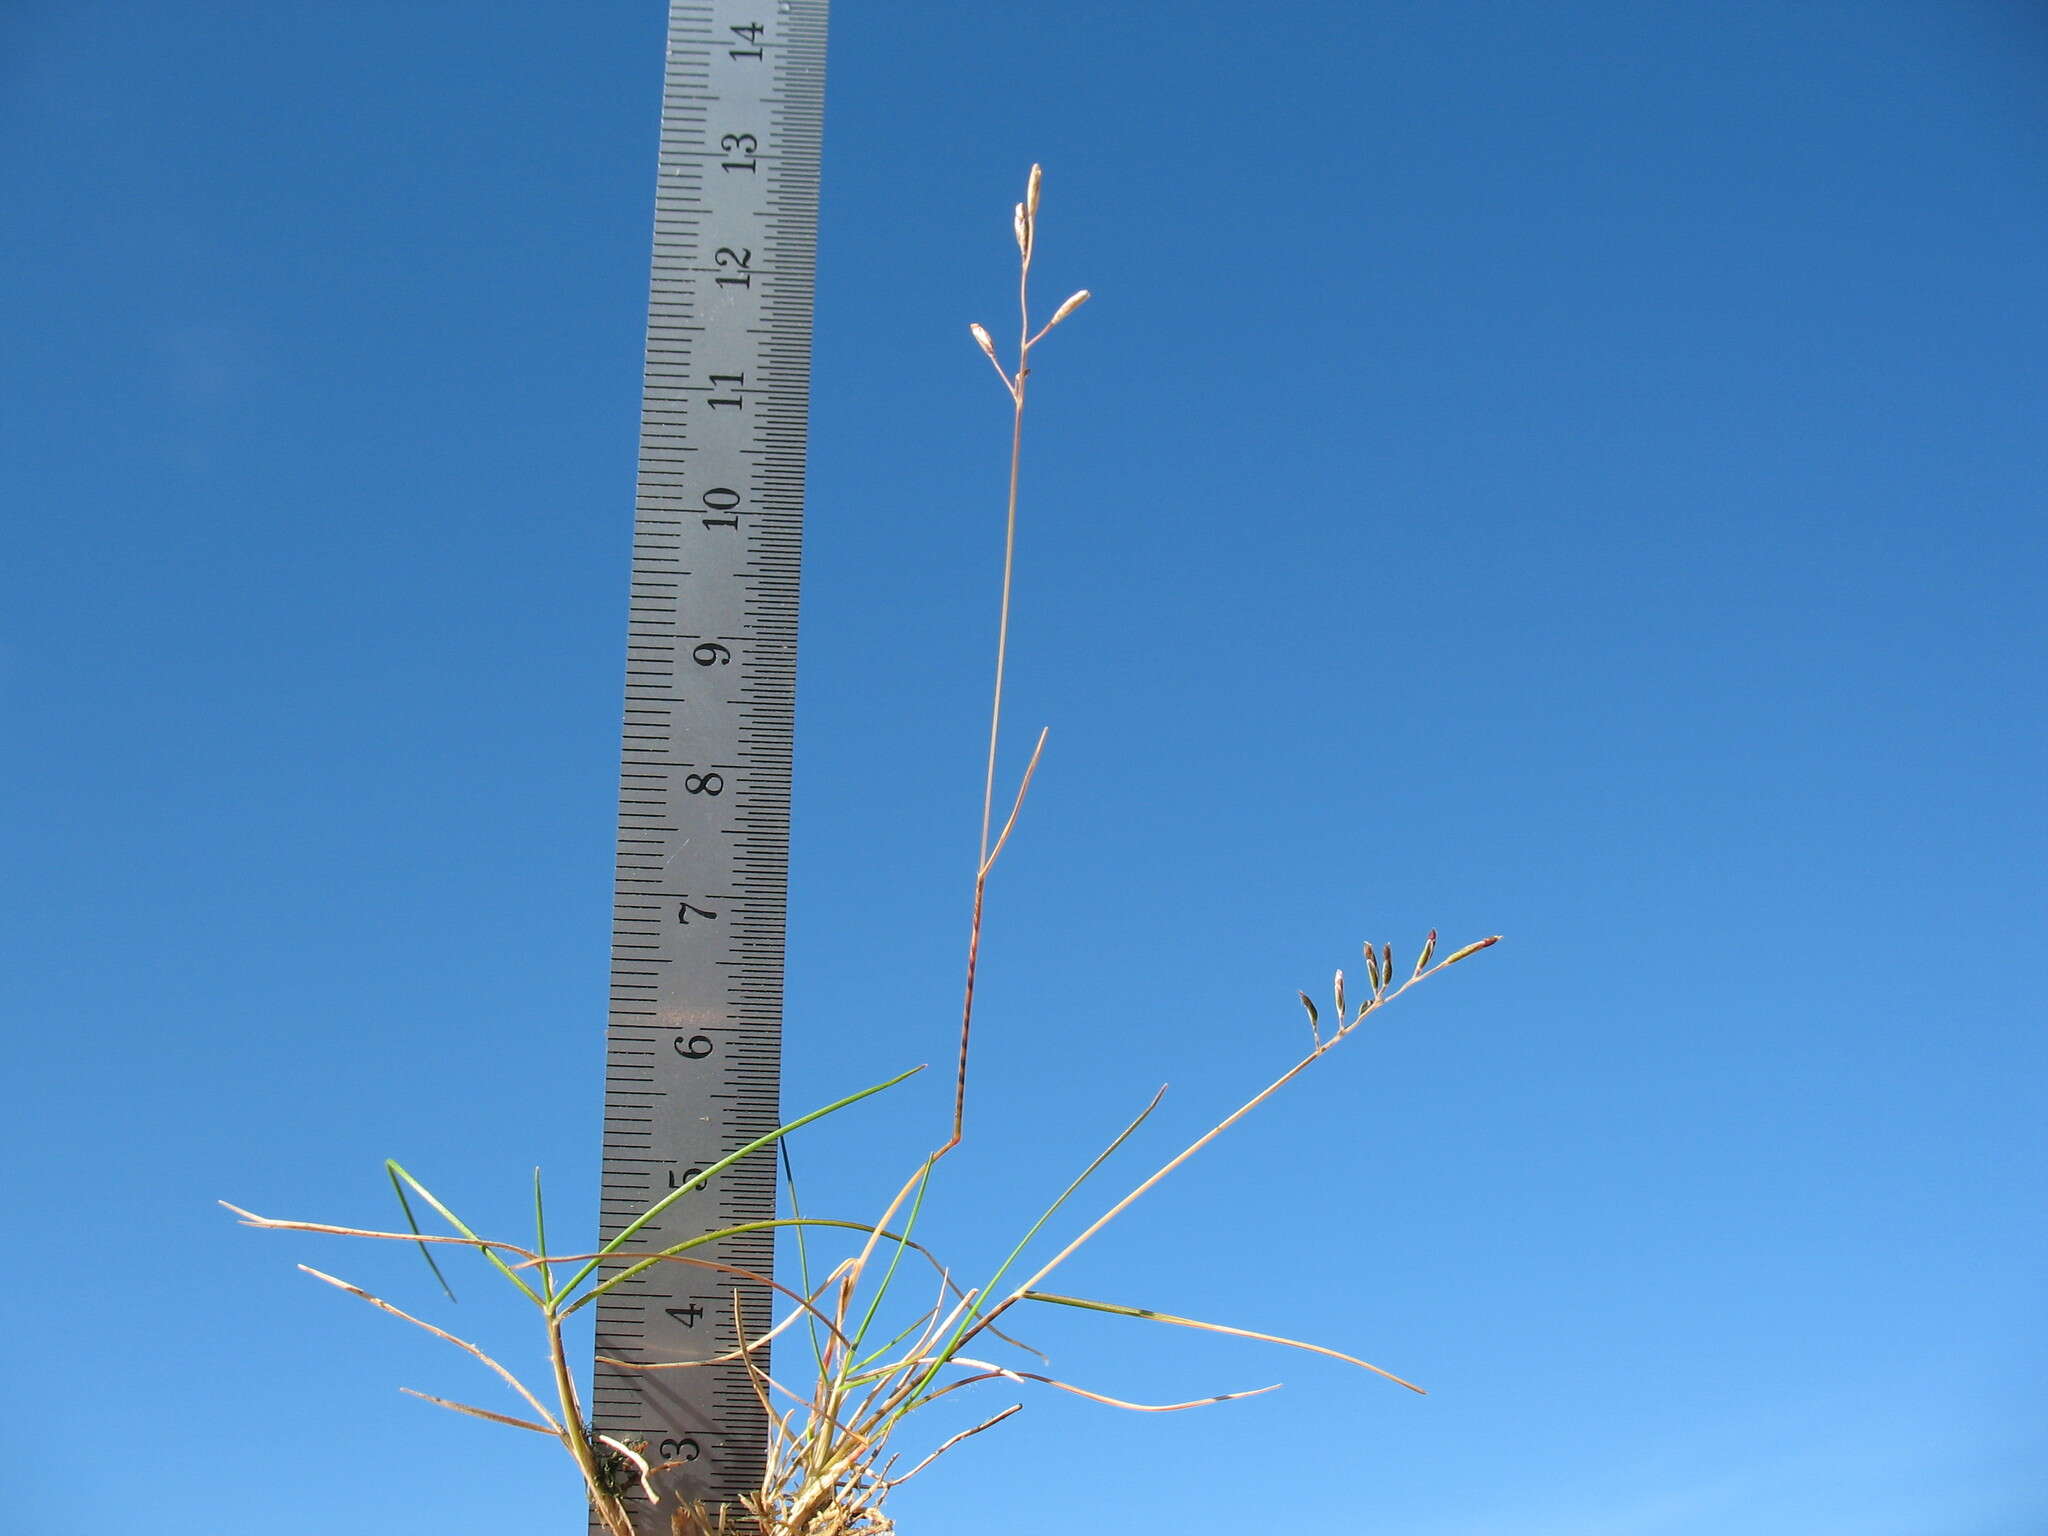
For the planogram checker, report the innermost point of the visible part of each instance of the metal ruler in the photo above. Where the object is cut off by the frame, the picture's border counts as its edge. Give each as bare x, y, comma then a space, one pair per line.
693, 1050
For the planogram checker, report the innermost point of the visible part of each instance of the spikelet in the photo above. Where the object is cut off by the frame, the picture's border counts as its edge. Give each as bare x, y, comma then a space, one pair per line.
1472, 949
1067, 308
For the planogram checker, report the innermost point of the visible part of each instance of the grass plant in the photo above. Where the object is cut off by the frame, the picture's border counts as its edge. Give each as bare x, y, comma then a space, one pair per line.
838, 1436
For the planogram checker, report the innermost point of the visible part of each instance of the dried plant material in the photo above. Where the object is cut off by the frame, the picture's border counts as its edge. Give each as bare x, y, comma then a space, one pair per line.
440, 1333
696, 1519
480, 1413
1242, 1333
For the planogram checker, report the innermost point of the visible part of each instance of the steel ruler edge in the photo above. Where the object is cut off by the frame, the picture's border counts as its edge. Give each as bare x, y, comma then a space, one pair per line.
693, 1046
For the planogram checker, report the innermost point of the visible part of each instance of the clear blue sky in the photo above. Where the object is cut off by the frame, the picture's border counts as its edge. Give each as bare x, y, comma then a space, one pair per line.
1574, 470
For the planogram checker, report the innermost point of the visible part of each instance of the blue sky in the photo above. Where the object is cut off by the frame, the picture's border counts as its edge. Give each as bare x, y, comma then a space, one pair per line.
1571, 470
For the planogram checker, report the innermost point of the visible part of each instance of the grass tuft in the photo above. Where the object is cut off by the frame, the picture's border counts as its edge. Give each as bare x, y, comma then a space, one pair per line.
879, 1353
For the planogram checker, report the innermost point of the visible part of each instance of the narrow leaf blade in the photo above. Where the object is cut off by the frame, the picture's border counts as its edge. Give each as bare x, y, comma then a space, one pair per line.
1243, 1333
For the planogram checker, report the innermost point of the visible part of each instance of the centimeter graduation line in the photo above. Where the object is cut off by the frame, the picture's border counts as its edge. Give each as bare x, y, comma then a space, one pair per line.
694, 1044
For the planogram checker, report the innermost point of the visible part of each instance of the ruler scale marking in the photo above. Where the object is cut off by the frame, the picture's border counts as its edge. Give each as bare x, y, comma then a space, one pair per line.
703, 829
